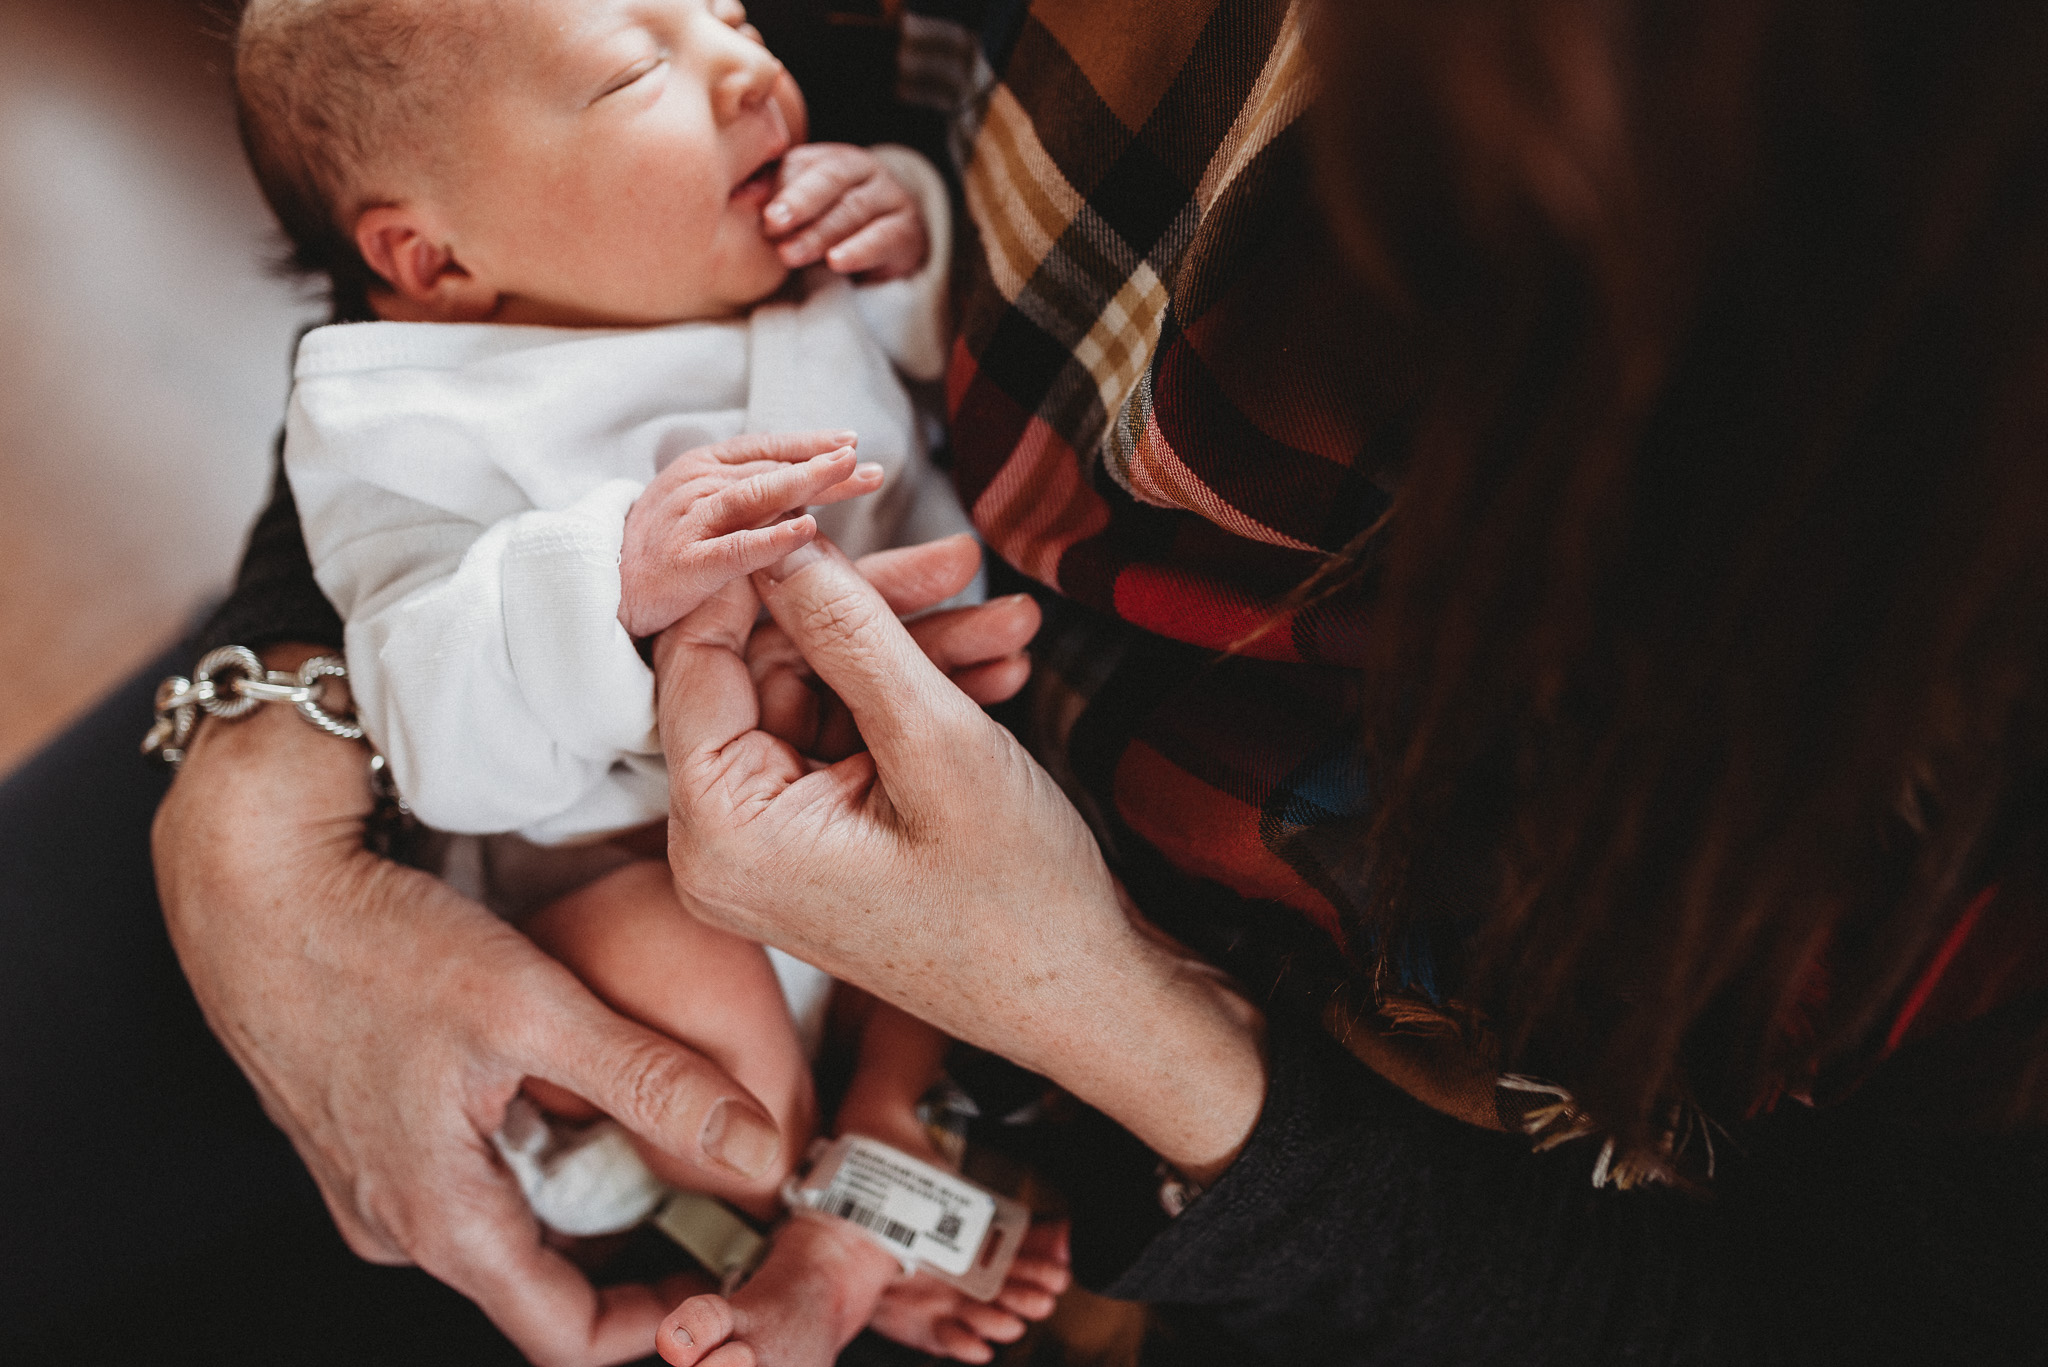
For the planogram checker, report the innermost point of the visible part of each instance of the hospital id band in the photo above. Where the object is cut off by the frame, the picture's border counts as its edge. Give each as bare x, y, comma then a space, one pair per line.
930, 1220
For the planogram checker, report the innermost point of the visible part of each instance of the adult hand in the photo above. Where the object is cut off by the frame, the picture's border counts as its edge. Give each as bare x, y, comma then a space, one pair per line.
385, 1021
941, 869
980, 648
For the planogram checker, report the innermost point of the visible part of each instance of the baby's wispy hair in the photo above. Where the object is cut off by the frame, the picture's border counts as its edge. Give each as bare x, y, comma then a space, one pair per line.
331, 97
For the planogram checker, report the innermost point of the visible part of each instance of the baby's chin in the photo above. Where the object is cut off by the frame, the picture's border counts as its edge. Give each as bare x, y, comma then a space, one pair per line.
771, 278
753, 279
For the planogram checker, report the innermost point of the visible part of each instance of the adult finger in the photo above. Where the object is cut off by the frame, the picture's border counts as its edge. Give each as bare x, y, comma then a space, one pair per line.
669, 1095
961, 638
705, 698
540, 1300
899, 698
996, 681
910, 580
913, 578
963, 642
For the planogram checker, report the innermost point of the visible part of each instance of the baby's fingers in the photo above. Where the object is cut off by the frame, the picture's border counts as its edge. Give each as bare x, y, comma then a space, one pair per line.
813, 179
886, 249
1042, 1271
866, 201
761, 498
785, 448
712, 564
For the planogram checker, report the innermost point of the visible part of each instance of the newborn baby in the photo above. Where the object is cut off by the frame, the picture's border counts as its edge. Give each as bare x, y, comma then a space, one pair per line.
576, 222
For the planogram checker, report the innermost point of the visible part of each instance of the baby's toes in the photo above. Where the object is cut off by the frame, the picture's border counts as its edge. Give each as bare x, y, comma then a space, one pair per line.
990, 1322
955, 1340
694, 1328
1033, 1286
1026, 1300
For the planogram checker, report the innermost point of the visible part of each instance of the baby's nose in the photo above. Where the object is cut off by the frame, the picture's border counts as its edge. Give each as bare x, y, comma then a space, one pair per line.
749, 75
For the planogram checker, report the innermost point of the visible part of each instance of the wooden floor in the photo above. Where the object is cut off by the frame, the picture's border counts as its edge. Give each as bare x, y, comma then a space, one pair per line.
144, 347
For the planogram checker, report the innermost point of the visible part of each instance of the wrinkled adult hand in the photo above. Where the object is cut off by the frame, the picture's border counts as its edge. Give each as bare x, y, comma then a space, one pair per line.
941, 868
980, 648
385, 1021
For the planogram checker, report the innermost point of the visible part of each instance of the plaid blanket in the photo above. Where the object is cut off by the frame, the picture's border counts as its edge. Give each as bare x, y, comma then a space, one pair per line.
1168, 409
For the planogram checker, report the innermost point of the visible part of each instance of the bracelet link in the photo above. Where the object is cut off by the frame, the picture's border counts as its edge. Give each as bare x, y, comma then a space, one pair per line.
229, 684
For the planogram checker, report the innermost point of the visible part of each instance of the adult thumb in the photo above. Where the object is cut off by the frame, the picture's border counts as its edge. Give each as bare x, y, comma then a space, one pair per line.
843, 626
669, 1095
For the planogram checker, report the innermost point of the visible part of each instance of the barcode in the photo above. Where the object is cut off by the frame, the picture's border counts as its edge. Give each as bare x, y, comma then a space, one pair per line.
867, 1217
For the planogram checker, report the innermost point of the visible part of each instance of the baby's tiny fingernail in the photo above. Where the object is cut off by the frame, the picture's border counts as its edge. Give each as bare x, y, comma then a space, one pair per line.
735, 1136
869, 469
846, 438
777, 213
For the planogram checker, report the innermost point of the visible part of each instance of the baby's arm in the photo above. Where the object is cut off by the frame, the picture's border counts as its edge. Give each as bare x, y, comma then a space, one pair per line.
493, 664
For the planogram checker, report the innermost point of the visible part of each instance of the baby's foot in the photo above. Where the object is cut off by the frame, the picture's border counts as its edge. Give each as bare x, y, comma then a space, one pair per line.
926, 1314
816, 1290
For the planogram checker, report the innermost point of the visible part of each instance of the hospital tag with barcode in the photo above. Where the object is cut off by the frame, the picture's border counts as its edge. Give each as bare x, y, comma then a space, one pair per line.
933, 1220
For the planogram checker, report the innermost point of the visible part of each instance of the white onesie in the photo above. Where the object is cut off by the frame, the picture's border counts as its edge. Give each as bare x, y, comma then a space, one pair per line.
464, 488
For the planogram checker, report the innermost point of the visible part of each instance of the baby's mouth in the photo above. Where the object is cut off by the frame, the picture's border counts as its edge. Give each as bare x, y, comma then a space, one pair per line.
761, 184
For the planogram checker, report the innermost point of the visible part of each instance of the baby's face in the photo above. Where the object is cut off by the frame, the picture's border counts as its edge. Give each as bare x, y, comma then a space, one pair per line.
614, 159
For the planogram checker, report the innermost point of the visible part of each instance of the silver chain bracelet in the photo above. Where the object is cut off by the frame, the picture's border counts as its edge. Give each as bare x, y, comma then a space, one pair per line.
229, 683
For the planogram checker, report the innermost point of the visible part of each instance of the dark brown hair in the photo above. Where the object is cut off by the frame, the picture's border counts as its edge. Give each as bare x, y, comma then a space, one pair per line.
1715, 612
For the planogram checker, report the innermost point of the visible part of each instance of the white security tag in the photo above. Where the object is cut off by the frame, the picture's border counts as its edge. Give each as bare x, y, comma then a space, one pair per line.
933, 1221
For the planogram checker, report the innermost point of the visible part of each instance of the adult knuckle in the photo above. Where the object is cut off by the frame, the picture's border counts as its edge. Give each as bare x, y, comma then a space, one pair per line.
657, 1079
843, 613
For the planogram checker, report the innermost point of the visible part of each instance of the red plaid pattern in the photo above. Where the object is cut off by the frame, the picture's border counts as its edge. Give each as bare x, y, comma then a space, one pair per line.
1169, 406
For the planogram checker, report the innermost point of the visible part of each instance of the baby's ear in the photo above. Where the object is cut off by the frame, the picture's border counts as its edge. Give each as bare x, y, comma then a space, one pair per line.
423, 280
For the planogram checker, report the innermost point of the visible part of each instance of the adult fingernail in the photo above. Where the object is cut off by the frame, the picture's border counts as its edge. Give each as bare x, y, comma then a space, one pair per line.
797, 559
736, 1137
682, 1335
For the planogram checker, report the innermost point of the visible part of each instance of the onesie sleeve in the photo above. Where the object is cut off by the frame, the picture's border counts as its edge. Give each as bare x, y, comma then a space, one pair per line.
910, 317
487, 660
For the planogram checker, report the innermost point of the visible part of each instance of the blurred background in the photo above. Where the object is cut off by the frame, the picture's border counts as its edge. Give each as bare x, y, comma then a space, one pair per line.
145, 344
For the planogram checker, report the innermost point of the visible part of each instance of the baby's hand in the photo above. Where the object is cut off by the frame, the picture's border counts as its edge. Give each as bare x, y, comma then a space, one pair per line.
840, 203
718, 512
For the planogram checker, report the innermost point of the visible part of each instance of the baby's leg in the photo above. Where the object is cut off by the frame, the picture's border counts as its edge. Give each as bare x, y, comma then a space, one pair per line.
817, 1288
632, 943
823, 1281
900, 1058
